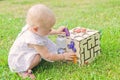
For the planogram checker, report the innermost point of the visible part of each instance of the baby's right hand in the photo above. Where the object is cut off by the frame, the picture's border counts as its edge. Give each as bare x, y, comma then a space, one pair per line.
69, 56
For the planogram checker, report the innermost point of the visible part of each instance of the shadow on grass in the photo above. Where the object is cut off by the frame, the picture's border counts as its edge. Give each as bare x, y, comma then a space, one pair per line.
48, 66
45, 66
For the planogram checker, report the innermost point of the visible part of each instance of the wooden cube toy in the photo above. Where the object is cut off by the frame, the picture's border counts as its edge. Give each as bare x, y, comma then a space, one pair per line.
85, 43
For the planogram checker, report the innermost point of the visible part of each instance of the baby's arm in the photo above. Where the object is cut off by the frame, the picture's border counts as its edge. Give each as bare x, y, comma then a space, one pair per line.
58, 31
53, 31
45, 54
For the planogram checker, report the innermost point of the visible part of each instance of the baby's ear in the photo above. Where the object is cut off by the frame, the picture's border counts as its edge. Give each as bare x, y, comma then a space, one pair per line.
35, 28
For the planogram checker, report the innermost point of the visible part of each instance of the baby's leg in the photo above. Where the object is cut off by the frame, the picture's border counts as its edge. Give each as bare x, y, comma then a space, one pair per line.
35, 61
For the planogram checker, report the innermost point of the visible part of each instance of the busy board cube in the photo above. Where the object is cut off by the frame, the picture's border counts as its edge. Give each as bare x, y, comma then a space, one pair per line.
86, 44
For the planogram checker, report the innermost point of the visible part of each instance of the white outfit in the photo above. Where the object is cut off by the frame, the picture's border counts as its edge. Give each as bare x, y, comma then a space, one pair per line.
21, 55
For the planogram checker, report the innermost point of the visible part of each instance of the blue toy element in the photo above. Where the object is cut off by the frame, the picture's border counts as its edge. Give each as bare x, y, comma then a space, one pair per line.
61, 51
72, 46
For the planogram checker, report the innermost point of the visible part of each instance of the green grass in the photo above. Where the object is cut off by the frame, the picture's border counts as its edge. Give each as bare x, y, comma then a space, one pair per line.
101, 15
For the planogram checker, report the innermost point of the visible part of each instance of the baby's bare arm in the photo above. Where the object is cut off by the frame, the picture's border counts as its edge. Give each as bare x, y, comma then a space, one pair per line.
53, 31
45, 54
58, 31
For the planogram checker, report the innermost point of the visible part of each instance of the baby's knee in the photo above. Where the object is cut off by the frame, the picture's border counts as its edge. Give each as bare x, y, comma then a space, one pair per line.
38, 57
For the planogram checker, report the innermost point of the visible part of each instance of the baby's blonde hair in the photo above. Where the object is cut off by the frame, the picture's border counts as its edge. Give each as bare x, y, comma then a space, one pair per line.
39, 15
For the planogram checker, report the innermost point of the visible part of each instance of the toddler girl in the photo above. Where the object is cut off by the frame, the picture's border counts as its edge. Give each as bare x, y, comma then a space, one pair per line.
32, 43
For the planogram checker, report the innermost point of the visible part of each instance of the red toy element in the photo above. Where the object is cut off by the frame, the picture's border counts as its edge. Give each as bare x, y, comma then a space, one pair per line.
83, 30
79, 30
86, 62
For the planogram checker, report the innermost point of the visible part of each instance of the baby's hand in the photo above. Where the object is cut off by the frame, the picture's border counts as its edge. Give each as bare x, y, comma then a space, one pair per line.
69, 56
60, 30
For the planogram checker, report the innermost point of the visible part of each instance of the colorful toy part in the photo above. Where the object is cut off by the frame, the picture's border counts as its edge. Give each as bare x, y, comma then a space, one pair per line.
72, 47
79, 30
66, 31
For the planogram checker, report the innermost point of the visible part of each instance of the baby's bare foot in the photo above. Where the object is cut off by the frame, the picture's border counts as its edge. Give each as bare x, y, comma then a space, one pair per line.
27, 74
31, 75
23, 74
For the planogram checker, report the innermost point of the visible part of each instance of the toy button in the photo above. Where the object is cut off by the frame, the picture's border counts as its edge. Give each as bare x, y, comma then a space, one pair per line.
71, 46
72, 43
83, 30
77, 30
86, 62
74, 49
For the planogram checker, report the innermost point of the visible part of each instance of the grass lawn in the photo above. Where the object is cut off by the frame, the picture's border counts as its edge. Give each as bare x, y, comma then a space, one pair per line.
101, 15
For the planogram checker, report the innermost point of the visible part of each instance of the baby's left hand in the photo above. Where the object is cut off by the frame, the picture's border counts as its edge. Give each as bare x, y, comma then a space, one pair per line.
60, 30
